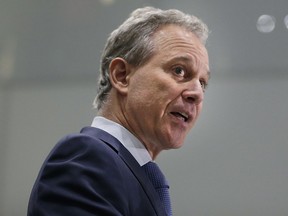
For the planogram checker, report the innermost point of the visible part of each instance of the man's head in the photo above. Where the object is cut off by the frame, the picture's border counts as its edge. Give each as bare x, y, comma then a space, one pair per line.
155, 85
133, 42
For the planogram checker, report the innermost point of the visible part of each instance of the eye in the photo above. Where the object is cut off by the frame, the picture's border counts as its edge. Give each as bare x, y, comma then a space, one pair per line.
179, 71
204, 85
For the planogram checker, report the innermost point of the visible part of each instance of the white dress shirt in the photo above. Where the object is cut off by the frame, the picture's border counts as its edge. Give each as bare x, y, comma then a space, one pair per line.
128, 140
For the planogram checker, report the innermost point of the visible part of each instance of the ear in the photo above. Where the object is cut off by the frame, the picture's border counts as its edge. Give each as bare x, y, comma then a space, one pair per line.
119, 74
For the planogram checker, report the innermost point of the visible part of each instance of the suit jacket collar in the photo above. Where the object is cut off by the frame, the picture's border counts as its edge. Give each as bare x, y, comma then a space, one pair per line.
133, 165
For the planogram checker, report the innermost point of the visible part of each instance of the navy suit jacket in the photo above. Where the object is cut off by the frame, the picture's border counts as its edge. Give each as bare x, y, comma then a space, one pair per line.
92, 173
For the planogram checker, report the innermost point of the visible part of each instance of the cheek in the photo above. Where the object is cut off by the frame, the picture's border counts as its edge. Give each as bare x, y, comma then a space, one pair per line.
150, 90
141, 96
199, 108
153, 90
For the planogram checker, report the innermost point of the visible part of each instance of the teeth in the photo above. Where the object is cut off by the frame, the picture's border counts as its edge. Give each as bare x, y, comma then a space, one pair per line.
182, 115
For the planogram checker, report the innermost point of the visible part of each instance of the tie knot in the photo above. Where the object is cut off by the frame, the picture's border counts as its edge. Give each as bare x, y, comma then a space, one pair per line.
155, 175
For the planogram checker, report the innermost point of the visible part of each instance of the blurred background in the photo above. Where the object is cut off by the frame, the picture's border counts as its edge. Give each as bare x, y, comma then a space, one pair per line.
234, 162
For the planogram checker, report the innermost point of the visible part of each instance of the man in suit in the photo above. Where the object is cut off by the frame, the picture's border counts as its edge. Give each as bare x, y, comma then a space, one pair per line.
153, 75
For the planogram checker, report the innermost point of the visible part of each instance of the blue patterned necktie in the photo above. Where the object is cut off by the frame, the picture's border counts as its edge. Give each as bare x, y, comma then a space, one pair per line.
160, 184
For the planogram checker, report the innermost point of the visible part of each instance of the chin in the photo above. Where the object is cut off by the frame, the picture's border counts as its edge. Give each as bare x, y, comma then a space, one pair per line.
175, 145
173, 140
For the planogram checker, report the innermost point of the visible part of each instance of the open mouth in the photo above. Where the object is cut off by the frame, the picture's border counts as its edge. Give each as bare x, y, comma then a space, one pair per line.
181, 115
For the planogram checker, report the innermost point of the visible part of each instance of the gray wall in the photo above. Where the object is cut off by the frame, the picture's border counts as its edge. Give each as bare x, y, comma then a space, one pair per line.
234, 162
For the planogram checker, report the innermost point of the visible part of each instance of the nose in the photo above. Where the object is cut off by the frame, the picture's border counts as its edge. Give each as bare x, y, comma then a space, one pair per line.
193, 93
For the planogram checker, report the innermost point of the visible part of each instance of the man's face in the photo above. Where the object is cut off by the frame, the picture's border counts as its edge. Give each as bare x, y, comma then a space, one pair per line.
165, 95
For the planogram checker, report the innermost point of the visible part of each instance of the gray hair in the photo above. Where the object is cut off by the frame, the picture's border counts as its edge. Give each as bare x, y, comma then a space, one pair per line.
133, 42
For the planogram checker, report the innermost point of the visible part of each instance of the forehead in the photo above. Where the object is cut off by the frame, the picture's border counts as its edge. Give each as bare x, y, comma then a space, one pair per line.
175, 41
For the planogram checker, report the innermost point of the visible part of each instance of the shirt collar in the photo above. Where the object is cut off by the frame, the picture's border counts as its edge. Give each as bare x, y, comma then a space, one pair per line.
128, 140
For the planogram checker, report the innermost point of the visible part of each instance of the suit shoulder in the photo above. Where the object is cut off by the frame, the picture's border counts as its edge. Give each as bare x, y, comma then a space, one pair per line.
78, 144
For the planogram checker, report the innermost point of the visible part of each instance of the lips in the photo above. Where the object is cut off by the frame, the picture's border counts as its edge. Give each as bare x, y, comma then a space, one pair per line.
181, 115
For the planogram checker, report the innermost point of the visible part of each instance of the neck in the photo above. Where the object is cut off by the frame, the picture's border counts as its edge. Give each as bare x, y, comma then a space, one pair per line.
120, 118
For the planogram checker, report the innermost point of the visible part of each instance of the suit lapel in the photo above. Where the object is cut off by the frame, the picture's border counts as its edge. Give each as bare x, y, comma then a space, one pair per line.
132, 164
143, 180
